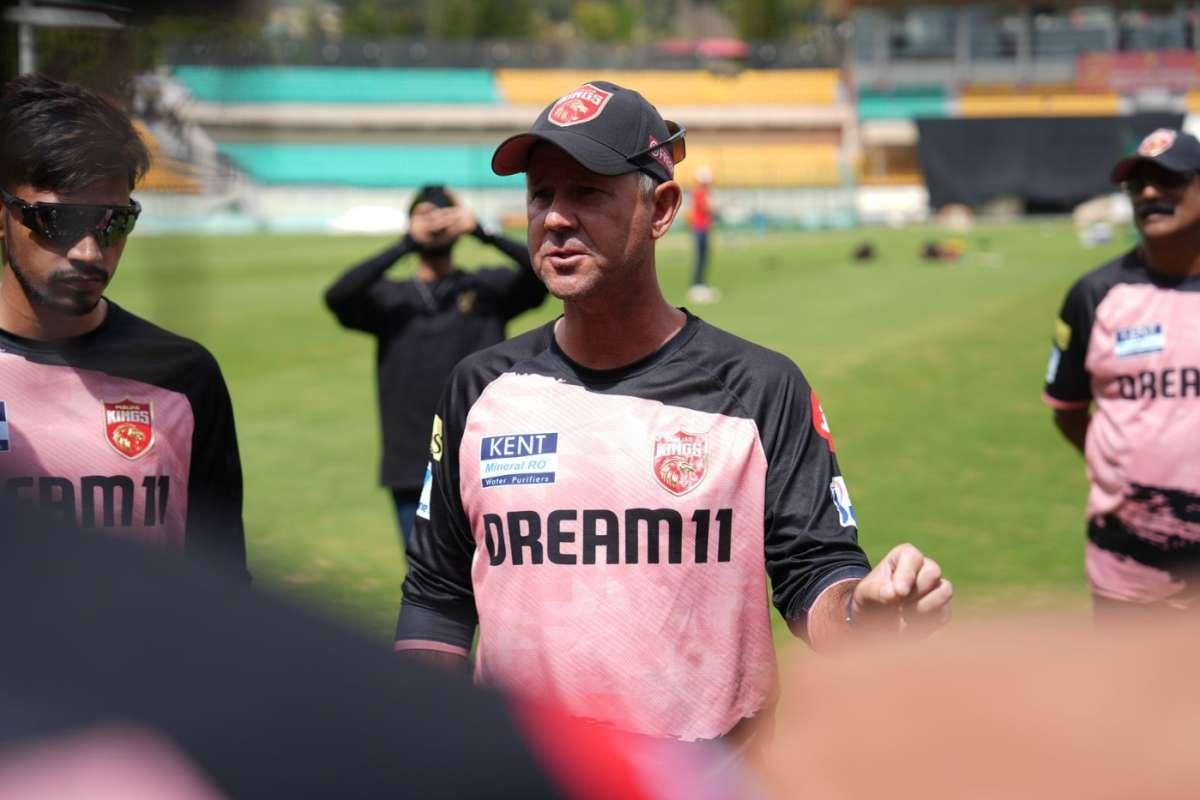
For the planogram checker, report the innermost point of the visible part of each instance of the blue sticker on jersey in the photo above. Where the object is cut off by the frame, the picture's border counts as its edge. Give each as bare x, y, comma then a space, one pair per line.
426, 492
841, 499
519, 458
1140, 340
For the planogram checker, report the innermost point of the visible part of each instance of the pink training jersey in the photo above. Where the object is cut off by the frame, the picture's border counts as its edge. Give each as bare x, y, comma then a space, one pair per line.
126, 430
611, 532
1129, 340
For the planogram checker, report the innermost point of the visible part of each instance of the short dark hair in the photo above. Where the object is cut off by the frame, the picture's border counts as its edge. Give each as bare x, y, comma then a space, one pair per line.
57, 136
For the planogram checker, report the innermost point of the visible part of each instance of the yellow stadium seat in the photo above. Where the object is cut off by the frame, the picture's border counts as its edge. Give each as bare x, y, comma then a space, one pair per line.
763, 165
679, 88
165, 174
991, 103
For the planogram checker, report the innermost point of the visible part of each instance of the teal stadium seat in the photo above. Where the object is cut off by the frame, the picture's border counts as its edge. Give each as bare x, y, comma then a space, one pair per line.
367, 165
338, 85
903, 103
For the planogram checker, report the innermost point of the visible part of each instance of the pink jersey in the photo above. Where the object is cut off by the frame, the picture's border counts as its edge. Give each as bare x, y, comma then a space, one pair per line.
126, 430
1129, 340
612, 532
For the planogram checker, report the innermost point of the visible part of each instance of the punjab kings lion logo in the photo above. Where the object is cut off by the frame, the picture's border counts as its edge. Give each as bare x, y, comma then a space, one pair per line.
581, 105
1157, 143
129, 428
680, 461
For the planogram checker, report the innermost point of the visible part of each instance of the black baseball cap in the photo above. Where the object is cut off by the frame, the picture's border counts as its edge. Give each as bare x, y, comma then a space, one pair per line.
608, 129
1170, 149
432, 193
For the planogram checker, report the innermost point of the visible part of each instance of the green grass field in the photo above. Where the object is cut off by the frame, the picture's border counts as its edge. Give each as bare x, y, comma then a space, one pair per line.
930, 376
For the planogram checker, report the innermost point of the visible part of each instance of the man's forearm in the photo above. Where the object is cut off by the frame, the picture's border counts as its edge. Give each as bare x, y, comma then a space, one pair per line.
825, 627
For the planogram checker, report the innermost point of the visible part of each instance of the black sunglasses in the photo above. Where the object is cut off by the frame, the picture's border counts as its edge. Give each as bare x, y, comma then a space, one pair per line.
67, 223
678, 146
1164, 179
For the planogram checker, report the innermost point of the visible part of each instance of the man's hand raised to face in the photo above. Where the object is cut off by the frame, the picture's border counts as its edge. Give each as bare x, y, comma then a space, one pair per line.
904, 595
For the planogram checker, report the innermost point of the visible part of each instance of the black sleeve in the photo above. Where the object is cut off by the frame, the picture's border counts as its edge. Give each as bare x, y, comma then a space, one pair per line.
357, 297
810, 530
518, 290
214, 526
1068, 384
439, 599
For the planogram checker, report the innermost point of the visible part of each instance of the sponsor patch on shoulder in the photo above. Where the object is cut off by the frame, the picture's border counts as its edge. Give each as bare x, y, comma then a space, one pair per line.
821, 422
1138, 340
426, 492
841, 499
1052, 366
518, 459
1062, 334
4, 445
435, 439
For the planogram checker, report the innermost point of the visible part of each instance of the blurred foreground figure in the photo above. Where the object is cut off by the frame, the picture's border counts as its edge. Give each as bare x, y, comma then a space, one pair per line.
1128, 340
106, 420
607, 489
1021, 710
426, 325
129, 675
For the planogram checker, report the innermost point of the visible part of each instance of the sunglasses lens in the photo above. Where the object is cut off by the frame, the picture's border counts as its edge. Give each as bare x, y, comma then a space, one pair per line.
67, 224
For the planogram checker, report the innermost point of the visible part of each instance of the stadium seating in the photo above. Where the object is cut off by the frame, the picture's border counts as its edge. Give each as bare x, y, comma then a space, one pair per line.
903, 103
371, 165
337, 85
679, 88
773, 165
165, 174
1005, 101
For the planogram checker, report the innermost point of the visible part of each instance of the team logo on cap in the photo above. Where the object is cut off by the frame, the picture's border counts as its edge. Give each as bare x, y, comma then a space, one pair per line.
1157, 143
661, 155
129, 427
581, 105
680, 461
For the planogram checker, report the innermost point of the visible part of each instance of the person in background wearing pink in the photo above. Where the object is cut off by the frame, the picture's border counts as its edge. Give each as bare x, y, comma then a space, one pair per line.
1128, 341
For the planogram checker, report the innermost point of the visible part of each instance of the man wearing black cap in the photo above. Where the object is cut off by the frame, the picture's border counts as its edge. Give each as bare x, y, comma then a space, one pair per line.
1128, 340
605, 490
425, 325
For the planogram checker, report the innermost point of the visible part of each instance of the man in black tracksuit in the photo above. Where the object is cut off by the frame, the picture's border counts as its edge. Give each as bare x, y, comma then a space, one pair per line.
426, 324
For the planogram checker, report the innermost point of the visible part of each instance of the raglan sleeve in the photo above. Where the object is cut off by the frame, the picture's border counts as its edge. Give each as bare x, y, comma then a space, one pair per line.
215, 531
810, 531
437, 611
1068, 384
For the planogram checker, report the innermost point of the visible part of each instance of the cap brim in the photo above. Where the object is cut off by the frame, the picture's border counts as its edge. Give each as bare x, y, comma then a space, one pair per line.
1126, 165
512, 156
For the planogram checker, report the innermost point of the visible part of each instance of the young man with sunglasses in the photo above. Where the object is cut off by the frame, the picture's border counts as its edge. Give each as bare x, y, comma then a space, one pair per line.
106, 421
425, 325
1124, 383
606, 490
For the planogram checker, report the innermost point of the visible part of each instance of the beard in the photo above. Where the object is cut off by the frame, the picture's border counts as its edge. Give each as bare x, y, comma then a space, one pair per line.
437, 250
68, 303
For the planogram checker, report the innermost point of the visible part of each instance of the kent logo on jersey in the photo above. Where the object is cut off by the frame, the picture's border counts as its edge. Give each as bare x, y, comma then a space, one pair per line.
516, 459
1139, 340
